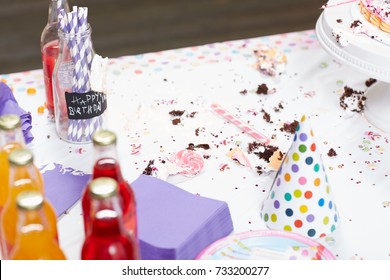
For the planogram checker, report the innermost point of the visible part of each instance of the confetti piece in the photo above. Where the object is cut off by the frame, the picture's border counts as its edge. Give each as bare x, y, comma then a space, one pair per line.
31, 91
41, 110
135, 148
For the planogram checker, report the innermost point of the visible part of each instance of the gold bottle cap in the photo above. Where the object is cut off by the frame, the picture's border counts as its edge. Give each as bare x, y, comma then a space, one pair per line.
104, 138
103, 187
9, 122
21, 157
29, 200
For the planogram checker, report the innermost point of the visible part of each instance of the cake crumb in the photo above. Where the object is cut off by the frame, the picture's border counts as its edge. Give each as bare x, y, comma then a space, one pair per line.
191, 115
176, 121
356, 23
192, 146
149, 168
176, 113
279, 107
352, 100
290, 127
262, 89
266, 116
370, 82
332, 152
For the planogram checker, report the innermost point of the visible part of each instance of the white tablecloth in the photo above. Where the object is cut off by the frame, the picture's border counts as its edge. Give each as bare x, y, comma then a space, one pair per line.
143, 89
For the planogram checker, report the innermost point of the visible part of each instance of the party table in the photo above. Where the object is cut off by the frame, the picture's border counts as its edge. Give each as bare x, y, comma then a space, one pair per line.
143, 90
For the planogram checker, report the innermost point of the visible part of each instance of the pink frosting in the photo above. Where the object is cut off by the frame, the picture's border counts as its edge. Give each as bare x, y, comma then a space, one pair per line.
380, 8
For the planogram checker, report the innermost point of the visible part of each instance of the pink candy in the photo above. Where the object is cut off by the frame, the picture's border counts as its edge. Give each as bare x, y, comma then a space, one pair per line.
189, 161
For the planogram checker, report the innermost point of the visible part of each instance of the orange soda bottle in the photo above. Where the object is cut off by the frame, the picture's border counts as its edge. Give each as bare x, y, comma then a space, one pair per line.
108, 239
11, 138
23, 177
34, 241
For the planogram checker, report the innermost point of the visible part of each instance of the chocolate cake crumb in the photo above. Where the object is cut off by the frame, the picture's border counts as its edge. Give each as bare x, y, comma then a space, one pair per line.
279, 107
266, 154
203, 146
192, 146
370, 82
332, 153
197, 131
259, 169
243, 92
339, 20
338, 38
206, 156
280, 157
176, 121
266, 116
356, 23
149, 168
353, 100
262, 89
290, 127
191, 115
176, 113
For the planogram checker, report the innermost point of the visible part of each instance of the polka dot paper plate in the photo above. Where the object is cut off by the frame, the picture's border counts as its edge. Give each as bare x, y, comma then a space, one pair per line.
266, 245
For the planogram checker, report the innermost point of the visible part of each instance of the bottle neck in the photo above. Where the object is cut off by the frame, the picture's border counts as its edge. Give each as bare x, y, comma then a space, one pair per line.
54, 8
11, 137
105, 152
107, 217
31, 220
24, 178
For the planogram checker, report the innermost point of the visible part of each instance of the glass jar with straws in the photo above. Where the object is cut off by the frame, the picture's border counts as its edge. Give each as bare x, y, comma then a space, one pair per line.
80, 103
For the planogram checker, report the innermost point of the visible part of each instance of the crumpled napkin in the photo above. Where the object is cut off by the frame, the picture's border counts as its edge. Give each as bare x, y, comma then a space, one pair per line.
9, 105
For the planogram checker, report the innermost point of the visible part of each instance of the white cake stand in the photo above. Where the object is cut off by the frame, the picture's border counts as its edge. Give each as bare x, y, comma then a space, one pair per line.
360, 51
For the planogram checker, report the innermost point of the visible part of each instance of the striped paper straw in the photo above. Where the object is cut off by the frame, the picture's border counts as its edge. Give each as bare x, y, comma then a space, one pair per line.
75, 22
64, 26
237, 122
84, 69
75, 126
90, 125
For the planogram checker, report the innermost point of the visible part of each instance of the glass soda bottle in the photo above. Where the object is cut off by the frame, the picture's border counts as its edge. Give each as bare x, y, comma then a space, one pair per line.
50, 48
34, 239
23, 176
11, 138
108, 239
106, 164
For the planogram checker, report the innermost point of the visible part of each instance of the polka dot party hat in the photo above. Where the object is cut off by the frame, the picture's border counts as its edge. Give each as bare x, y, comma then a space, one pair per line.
300, 199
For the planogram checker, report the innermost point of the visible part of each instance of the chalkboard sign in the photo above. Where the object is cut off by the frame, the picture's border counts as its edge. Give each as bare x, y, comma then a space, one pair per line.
85, 105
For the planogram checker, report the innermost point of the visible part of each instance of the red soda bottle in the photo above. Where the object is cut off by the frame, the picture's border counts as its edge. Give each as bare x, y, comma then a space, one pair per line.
106, 164
50, 48
108, 239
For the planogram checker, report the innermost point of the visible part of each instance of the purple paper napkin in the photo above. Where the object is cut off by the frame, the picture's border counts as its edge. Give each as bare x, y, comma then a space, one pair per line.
9, 105
63, 186
176, 224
